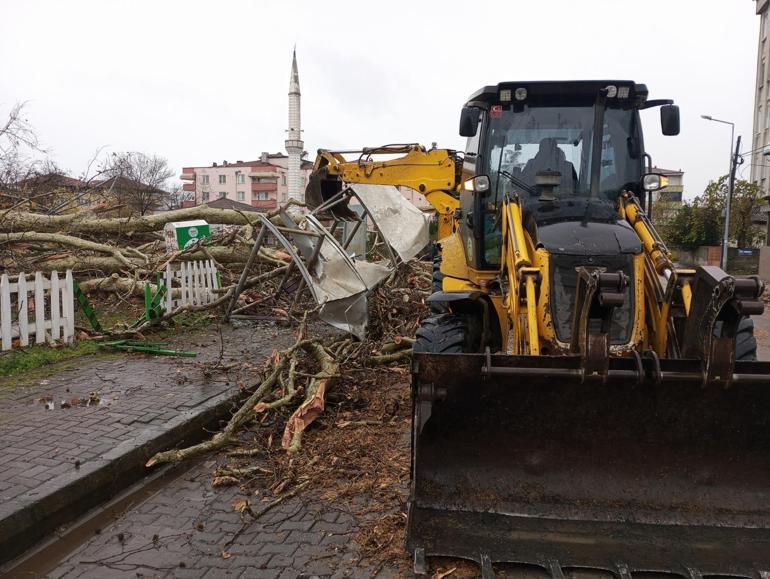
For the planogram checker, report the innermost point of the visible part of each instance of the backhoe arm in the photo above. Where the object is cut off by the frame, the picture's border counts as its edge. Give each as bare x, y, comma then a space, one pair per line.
435, 173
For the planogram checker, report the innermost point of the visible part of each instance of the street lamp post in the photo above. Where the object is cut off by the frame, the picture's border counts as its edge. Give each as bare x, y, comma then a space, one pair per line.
726, 233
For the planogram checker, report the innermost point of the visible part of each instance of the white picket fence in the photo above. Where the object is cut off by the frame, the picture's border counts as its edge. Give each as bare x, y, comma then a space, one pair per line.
193, 284
52, 308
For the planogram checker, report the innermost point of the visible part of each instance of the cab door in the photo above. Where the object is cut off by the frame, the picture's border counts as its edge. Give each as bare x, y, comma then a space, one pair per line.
469, 204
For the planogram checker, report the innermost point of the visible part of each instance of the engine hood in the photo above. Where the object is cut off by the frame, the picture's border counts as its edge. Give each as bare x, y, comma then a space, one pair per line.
591, 238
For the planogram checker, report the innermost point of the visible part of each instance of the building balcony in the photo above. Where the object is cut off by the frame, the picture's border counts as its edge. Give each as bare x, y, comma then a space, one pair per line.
264, 187
188, 174
264, 203
271, 174
188, 187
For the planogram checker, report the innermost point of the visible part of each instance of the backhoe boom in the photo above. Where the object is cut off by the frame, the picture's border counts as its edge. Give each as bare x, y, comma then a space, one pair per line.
434, 173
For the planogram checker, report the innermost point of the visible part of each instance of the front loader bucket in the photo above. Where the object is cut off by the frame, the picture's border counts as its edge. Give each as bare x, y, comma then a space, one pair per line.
517, 459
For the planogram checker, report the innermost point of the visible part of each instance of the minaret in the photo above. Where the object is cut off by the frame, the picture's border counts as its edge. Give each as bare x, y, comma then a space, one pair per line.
294, 144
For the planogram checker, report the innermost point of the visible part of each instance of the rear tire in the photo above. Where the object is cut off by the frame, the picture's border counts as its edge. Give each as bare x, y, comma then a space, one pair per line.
444, 334
745, 342
438, 277
437, 285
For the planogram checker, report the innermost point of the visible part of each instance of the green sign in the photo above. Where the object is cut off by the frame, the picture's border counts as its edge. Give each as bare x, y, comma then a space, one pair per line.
183, 234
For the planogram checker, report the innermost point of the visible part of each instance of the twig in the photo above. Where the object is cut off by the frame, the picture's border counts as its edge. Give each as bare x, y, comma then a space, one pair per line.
257, 514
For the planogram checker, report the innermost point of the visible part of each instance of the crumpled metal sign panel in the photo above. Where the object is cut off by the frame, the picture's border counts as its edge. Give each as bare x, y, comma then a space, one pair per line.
402, 224
341, 283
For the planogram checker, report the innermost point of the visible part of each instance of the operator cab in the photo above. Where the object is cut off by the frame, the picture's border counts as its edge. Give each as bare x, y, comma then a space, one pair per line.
567, 150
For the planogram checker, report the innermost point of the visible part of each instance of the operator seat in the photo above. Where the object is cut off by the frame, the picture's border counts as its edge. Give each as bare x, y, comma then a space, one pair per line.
550, 157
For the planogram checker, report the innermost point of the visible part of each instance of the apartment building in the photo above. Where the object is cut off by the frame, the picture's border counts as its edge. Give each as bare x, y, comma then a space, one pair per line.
263, 183
667, 201
761, 136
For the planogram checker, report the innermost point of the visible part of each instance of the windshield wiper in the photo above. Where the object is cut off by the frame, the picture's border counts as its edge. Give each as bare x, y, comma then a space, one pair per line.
518, 182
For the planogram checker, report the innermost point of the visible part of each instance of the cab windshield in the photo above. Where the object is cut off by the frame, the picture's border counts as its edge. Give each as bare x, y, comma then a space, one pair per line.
548, 140
555, 142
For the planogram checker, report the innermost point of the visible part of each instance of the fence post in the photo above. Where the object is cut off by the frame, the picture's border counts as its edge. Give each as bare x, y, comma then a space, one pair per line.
39, 308
55, 306
168, 277
22, 318
190, 284
212, 280
69, 308
5, 311
183, 284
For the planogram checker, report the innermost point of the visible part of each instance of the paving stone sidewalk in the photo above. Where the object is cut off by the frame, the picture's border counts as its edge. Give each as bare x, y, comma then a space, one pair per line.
182, 531
44, 441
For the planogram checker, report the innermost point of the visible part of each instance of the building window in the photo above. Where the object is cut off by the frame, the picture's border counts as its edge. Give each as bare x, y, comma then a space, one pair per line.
283, 178
205, 194
222, 179
222, 194
241, 178
205, 179
241, 195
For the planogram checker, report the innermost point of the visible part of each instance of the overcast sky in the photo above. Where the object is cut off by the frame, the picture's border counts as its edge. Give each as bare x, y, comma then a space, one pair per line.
203, 81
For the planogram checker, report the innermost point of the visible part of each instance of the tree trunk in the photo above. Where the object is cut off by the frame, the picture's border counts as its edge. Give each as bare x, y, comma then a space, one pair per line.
86, 222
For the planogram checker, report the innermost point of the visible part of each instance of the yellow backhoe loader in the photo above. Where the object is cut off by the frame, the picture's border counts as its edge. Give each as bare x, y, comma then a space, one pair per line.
579, 401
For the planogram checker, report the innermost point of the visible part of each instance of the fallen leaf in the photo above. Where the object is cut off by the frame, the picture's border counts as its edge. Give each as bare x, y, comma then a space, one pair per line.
241, 506
224, 481
226, 555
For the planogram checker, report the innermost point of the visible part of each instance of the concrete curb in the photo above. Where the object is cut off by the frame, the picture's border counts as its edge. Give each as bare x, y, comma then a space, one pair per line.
27, 519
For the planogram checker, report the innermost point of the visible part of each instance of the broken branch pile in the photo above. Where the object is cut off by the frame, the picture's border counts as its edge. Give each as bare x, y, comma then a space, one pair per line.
330, 416
119, 255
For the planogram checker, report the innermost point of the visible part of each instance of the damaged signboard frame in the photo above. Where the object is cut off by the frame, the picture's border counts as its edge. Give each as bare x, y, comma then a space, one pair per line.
339, 281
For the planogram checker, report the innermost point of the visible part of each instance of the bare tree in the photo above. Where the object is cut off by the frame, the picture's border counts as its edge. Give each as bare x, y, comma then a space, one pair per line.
138, 180
177, 196
18, 146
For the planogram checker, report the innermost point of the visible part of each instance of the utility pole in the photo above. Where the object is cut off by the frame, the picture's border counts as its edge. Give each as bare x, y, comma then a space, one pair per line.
730, 188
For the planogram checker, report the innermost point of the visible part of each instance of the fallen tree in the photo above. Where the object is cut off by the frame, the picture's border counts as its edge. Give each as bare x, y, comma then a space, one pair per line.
86, 222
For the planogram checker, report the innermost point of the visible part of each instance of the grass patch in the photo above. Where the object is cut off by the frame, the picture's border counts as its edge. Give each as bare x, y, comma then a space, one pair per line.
36, 362
25, 360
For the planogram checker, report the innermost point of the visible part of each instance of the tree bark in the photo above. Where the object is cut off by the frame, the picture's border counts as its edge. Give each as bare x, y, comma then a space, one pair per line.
108, 265
87, 222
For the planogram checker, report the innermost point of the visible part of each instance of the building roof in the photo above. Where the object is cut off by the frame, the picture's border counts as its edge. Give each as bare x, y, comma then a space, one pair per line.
256, 163
123, 183
224, 203
52, 180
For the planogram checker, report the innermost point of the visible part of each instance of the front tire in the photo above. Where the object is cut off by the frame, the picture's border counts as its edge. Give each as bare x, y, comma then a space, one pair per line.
745, 342
445, 334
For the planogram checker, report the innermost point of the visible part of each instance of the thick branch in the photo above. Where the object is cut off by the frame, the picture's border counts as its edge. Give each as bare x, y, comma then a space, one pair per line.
86, 222
315, 398
68, 240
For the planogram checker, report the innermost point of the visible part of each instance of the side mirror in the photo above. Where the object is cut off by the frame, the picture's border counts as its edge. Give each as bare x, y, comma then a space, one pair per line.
654, 181
469, 121
669, 120
478, 184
